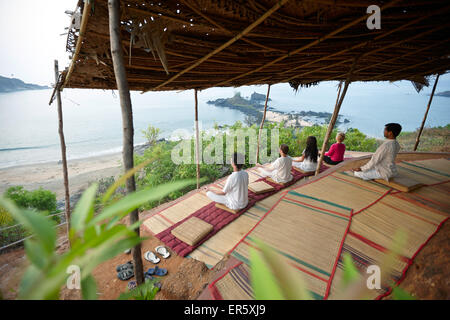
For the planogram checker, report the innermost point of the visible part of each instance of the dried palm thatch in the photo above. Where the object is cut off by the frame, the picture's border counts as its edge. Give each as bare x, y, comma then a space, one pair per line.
185, 44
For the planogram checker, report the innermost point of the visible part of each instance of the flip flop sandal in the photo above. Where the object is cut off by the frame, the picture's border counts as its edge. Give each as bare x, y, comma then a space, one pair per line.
150, 256
132, 284
125, 266
148, 276
150, 271
160, 272
162, 251
158, 285
126, 274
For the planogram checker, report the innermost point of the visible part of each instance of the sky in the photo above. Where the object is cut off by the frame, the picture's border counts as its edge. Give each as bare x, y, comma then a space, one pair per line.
31, 40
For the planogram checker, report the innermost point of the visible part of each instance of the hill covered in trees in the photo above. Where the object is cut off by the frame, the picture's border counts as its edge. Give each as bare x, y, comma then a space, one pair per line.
12, 85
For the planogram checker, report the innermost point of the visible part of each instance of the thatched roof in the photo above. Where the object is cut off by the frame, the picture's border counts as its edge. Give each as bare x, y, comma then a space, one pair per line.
185, 44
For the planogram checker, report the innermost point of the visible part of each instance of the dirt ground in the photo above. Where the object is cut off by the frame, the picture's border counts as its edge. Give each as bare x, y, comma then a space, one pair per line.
185, 280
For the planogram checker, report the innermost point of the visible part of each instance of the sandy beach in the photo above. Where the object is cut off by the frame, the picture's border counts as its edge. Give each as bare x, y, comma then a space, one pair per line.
82, 172
278, 117
50, 176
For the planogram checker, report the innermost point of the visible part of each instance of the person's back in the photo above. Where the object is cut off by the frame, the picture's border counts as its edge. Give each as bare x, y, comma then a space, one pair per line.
308, 161
339, 151
282, 172
280, 169
236, 189
234, 194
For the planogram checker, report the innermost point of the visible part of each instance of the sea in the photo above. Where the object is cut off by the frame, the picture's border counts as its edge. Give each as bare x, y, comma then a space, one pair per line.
93, 124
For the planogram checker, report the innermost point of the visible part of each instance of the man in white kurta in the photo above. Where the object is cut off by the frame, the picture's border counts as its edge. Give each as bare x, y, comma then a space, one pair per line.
280, 170
382, 164
234, 194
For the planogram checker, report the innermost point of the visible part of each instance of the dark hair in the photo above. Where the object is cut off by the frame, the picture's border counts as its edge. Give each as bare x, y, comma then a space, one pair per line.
395, 128
238, 160
311, 151
284, 148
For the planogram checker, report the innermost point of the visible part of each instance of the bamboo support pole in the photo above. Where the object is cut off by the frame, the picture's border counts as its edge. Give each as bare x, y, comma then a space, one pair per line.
127, 121
426, 113
331, 126
227, 44
303, 48
62, 142
262, 124
335, 116
197, 144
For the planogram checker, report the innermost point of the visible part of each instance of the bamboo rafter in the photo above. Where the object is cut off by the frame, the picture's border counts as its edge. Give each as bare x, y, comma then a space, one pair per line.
295, 25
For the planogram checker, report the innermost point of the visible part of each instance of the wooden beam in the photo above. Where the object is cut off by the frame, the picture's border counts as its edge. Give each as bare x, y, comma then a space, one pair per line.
262, 123
354, 47
83, 26
405, 68
219, 26
381, 36
303, 48
426, 113
127, 121
351, 59
197, 143
62, 142
227, 44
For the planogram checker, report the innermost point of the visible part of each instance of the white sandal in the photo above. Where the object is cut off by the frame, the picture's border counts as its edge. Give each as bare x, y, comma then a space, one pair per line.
162, 251
150, 256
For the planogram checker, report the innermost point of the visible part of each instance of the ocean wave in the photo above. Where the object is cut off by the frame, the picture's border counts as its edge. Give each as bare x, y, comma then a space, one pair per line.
27, 148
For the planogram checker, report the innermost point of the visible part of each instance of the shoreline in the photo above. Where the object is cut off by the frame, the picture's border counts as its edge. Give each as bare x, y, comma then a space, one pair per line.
49, 175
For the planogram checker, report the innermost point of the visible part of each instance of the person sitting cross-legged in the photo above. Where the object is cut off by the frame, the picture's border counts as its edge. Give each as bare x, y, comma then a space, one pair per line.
337, 150
280, 170
382, 164
234, 194
307, 162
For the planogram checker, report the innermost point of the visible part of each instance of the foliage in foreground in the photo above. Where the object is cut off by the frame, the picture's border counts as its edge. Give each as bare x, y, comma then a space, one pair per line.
272, 278
42, 202
146, 291
94, 239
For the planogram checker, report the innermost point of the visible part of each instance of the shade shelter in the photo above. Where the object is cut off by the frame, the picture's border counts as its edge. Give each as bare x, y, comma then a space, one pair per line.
198, 44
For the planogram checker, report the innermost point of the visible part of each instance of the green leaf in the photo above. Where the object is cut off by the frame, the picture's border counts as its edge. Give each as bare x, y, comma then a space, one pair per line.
145, 291
89, 288
31, 276
83, 209
36, 254
264, 284
134, 200
350, 273
36, 223
400, 294
124, 178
